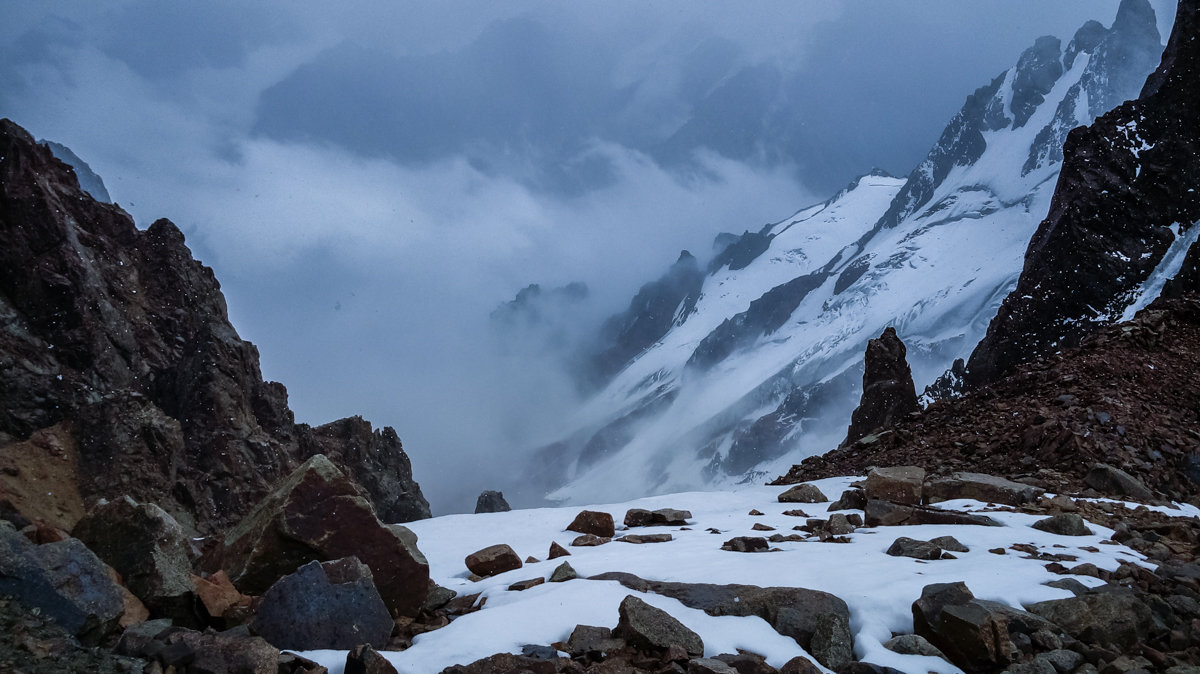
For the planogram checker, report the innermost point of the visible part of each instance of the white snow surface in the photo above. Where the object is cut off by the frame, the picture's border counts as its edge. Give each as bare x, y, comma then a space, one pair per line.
879, 589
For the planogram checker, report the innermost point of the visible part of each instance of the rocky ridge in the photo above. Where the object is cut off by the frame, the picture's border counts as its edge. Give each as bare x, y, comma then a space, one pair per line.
118, 355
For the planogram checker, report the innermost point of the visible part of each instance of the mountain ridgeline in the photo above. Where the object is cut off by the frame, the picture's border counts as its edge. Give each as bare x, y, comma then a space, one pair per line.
737, 370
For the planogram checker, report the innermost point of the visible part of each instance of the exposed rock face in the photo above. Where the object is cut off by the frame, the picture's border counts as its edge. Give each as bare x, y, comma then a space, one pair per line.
148, 548
318, 514
120, 336
888, 390
1126, 181
324, 605
491, 502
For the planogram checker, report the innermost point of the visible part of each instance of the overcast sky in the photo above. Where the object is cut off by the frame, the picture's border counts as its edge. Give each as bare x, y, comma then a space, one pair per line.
370, 179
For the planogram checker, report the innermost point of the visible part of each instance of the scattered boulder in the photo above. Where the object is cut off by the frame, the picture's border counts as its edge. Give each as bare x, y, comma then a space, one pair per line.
913, 644
1108, 479
839, 525
976, 635
324, 605
588, 640
888, 391
638, 517
949, 543
797, 613
363, 659
886, 514
563, 573
438, 597
589, 541
493, 560
646, 538
1064, 524
491, 502
745, 662
557, 551
522, 585
746, 544
317, 514
799, 665
65, 581
981, 487
851, 499
898, 484
803, 493
759, 526
593, 522
647, 627
149, 549
180, 649
709, 666
1110, 615
909, 547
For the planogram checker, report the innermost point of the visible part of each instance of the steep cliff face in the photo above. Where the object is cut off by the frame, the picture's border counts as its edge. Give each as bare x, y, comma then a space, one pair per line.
1121, 223
121, 337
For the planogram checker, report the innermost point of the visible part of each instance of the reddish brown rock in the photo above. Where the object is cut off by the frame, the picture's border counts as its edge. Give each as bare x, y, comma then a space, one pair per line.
593, 522
493, 560
589, 541
217, 594
557, 551
318, 514
898, 484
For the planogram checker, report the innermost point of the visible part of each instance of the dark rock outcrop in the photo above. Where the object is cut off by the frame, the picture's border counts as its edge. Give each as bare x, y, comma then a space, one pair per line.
324, 605
1126, 180
888, 390
491, 502
803, 493
319, 514
123, 338
639, 517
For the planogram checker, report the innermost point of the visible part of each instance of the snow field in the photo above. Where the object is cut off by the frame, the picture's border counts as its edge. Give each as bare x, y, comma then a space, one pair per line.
878, 589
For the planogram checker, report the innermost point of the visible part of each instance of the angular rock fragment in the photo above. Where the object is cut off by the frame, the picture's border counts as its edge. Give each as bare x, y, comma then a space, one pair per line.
363, 659
557, 551
563, 573
885, 513
318, 514
746, 544
949, 543
148, 548
588, 640
1108, 479
648, 627
523, 585
898, 484
638, 517
908, 547
1065, 524
1110, 615
324, 605
646, 538
589, 541
851, 499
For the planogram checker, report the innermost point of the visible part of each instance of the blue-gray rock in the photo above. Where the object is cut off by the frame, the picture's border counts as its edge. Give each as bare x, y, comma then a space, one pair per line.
325, 605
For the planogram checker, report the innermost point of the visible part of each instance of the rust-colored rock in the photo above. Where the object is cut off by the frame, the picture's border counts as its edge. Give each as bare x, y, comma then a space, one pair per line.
318, 514
493, 560
593, 522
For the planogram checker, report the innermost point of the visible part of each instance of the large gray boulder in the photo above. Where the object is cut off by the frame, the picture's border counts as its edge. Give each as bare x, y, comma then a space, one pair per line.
1108, 616
976, 635
65, 581
794, 612
150, 550
319, 514
324, 605
1113, 481
899, 484
648, 627
981, 487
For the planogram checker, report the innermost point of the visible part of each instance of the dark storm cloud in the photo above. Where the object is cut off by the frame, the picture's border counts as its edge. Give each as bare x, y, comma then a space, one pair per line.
370, 180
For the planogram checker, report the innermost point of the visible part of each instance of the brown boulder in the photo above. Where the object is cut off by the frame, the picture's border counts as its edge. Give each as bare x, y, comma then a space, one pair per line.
557, 551
803, 493
217, 594
366, 660
647, 627
318, 514
589, 541
899, 484
638, 517
593, 522
886, 514
493, 560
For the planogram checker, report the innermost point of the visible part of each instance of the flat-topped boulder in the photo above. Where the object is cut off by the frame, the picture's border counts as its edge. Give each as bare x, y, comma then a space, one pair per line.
899, 484
981, 487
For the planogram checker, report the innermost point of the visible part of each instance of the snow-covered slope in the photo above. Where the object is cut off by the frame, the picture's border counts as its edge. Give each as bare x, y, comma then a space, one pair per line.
764, 366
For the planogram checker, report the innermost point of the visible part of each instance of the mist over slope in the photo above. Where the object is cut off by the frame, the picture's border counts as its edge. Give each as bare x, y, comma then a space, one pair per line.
759, 363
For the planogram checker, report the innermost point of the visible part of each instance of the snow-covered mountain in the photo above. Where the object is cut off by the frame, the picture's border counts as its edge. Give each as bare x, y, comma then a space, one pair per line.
745, 367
